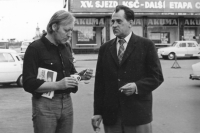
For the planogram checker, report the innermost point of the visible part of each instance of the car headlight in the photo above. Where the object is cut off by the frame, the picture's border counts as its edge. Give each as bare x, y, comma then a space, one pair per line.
160, 52
163, 52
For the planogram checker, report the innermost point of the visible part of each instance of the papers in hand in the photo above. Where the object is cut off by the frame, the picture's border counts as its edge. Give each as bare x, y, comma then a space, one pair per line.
48, 76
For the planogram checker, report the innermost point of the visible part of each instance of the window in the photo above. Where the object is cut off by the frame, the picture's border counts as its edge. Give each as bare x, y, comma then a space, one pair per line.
162, 34
86, 35
191, 45
160, 37
6, 57
174, 44
182, 45
189, 32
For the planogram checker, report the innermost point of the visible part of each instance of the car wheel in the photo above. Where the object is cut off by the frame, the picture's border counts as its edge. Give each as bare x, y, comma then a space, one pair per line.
171, 56
19, 81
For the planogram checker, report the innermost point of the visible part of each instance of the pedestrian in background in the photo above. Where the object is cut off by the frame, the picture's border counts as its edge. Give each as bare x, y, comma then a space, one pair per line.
51, 52
128, 70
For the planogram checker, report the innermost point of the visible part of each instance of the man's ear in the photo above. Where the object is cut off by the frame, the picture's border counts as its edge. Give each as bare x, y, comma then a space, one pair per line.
131, 23
54, 27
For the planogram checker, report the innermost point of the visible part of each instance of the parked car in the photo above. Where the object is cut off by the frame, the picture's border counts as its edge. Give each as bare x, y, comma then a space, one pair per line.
196, 71
180, 49
10, 67
21, 55
24, 45
4, 45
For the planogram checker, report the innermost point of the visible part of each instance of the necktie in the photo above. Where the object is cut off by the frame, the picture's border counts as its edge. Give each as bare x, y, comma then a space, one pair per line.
121, 50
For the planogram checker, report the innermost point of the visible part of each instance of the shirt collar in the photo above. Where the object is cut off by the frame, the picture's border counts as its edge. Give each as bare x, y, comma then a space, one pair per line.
48, 44
127, 38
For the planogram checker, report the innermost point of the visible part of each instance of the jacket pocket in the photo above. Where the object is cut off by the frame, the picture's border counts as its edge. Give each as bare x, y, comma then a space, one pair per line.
49, 64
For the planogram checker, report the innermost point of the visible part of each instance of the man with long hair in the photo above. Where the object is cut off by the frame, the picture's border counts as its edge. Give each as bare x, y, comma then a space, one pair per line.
51, 52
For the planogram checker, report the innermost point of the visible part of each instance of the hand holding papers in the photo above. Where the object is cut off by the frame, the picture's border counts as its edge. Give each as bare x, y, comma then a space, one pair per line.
48, 76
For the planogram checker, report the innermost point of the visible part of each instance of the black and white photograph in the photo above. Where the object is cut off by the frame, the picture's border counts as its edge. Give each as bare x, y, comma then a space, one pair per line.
99, 66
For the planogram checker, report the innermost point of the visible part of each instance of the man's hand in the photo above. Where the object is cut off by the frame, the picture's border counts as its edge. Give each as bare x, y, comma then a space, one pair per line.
96, 120
128, 89
67, 82
86, 74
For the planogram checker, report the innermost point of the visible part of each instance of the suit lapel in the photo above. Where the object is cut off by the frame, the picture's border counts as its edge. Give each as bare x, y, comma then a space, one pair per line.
113, 51
130, 47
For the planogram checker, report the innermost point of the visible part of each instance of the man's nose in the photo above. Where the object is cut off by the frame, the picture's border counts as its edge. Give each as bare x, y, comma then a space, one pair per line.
69, 34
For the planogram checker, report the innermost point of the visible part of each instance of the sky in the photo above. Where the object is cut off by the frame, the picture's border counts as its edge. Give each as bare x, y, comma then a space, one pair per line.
19, 18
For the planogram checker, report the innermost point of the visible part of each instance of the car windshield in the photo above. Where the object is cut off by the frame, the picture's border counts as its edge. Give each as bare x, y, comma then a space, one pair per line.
174, 44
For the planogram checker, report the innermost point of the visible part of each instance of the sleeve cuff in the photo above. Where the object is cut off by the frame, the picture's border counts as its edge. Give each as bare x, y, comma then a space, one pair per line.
136, 90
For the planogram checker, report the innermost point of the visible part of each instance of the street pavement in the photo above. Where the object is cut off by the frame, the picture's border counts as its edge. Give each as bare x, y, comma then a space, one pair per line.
86, 57
176, 103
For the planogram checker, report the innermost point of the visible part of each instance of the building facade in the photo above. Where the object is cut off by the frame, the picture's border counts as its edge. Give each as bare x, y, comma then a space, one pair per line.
162, 21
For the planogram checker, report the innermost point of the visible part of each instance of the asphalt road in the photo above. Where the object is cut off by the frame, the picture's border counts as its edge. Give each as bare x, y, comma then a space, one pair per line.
176, 103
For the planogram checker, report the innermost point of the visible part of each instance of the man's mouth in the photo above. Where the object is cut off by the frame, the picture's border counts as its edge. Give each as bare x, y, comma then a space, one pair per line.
115, 30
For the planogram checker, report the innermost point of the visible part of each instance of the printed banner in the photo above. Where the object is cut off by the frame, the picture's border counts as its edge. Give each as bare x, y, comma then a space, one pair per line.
137, 5
192, 22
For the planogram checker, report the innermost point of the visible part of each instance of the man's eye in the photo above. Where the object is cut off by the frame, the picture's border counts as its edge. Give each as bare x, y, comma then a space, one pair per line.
68, 30
119, 21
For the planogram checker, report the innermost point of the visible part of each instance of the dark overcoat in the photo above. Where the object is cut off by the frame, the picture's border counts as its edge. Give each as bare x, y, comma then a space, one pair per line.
141, 65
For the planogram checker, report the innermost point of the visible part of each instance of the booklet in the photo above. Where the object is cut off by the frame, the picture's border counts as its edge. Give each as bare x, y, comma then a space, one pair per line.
48, 76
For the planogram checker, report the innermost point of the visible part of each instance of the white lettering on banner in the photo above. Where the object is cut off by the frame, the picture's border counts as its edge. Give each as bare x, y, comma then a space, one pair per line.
89, 21
137, 4
86, 4
101, 21
162, 22
192, 22
137, 22
131, 4
106, 4
197, 5
180, 5
157, 5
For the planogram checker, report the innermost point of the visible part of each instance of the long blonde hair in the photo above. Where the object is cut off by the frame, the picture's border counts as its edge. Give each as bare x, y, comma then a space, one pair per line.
59, 17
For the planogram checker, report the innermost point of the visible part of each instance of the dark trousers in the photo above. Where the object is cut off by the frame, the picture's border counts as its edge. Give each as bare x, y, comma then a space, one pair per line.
53, 115
120, 128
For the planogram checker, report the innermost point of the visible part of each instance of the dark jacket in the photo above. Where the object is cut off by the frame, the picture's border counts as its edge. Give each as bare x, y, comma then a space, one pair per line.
140, 64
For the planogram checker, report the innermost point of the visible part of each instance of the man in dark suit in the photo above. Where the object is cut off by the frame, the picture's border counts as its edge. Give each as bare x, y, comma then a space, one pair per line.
128, 70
